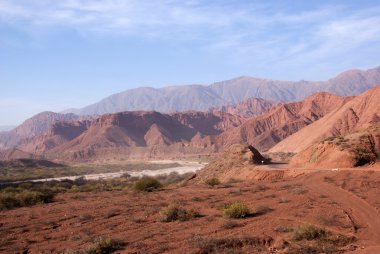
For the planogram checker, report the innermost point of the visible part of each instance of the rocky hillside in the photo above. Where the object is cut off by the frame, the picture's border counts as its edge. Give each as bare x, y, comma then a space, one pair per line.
58, 134
139, 132
281, 121
356, 149
358, 113
35, 126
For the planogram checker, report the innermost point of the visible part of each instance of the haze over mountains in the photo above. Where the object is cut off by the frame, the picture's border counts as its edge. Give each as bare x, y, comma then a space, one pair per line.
150, 134
267, 125
6, 127
202, 97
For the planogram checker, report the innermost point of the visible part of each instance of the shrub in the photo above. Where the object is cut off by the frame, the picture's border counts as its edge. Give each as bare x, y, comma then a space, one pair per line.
147, 184
236, 210
363, 156
175, 212
230, 244
104, 245
212, 181
309, 232
10, 200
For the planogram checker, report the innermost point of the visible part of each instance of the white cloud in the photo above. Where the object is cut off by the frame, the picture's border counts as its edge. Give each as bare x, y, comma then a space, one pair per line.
266, 32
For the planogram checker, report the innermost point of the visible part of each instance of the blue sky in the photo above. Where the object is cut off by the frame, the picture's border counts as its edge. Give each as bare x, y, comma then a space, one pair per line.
69, 53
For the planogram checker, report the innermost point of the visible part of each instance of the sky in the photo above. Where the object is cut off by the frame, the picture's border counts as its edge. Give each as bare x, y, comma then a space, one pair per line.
62, 54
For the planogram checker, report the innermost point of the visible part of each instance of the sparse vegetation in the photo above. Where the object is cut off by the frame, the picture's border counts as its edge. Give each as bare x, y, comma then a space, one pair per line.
236, 210
104, 245
308, 232
316, 240
177, 213
212, 181
147, 184
15, 197
31, 193
363, 156
229, 245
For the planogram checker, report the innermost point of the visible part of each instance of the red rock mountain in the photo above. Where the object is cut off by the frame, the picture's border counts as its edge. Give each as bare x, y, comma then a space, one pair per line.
137, 134
281, 121
14, 153
58, 134
358, 113
35, 126
129, 130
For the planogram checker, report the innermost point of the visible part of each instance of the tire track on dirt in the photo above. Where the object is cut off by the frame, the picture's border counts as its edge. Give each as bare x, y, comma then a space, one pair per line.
361, 211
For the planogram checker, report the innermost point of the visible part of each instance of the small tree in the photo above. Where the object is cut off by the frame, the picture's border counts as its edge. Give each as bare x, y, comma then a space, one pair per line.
147, 184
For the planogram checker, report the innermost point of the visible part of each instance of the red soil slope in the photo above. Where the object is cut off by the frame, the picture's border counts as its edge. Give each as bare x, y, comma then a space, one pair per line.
281, 121
356, 114
356, 149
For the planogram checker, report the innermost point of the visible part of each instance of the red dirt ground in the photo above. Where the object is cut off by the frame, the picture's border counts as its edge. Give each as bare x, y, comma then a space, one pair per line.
345, 202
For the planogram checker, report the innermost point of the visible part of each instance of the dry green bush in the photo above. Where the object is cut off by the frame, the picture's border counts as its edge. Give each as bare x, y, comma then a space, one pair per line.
177, 213
233, 244
236, 210
147, 184
21, 198
309, 232
212, 181
104, 245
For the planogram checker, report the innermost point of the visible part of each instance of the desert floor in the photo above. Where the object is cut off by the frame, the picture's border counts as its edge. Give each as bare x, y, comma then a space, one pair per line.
344, 202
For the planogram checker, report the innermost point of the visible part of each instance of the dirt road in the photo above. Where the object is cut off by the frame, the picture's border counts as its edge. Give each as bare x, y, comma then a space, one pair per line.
365, 218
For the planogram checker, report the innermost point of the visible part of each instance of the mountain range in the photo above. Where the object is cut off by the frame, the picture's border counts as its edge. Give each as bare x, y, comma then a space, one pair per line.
203, 97
125, 134
150, 134
272, 126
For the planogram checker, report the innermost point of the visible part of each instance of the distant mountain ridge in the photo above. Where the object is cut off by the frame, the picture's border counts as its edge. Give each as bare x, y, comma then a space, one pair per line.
203, 97
35, 126
47, 130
